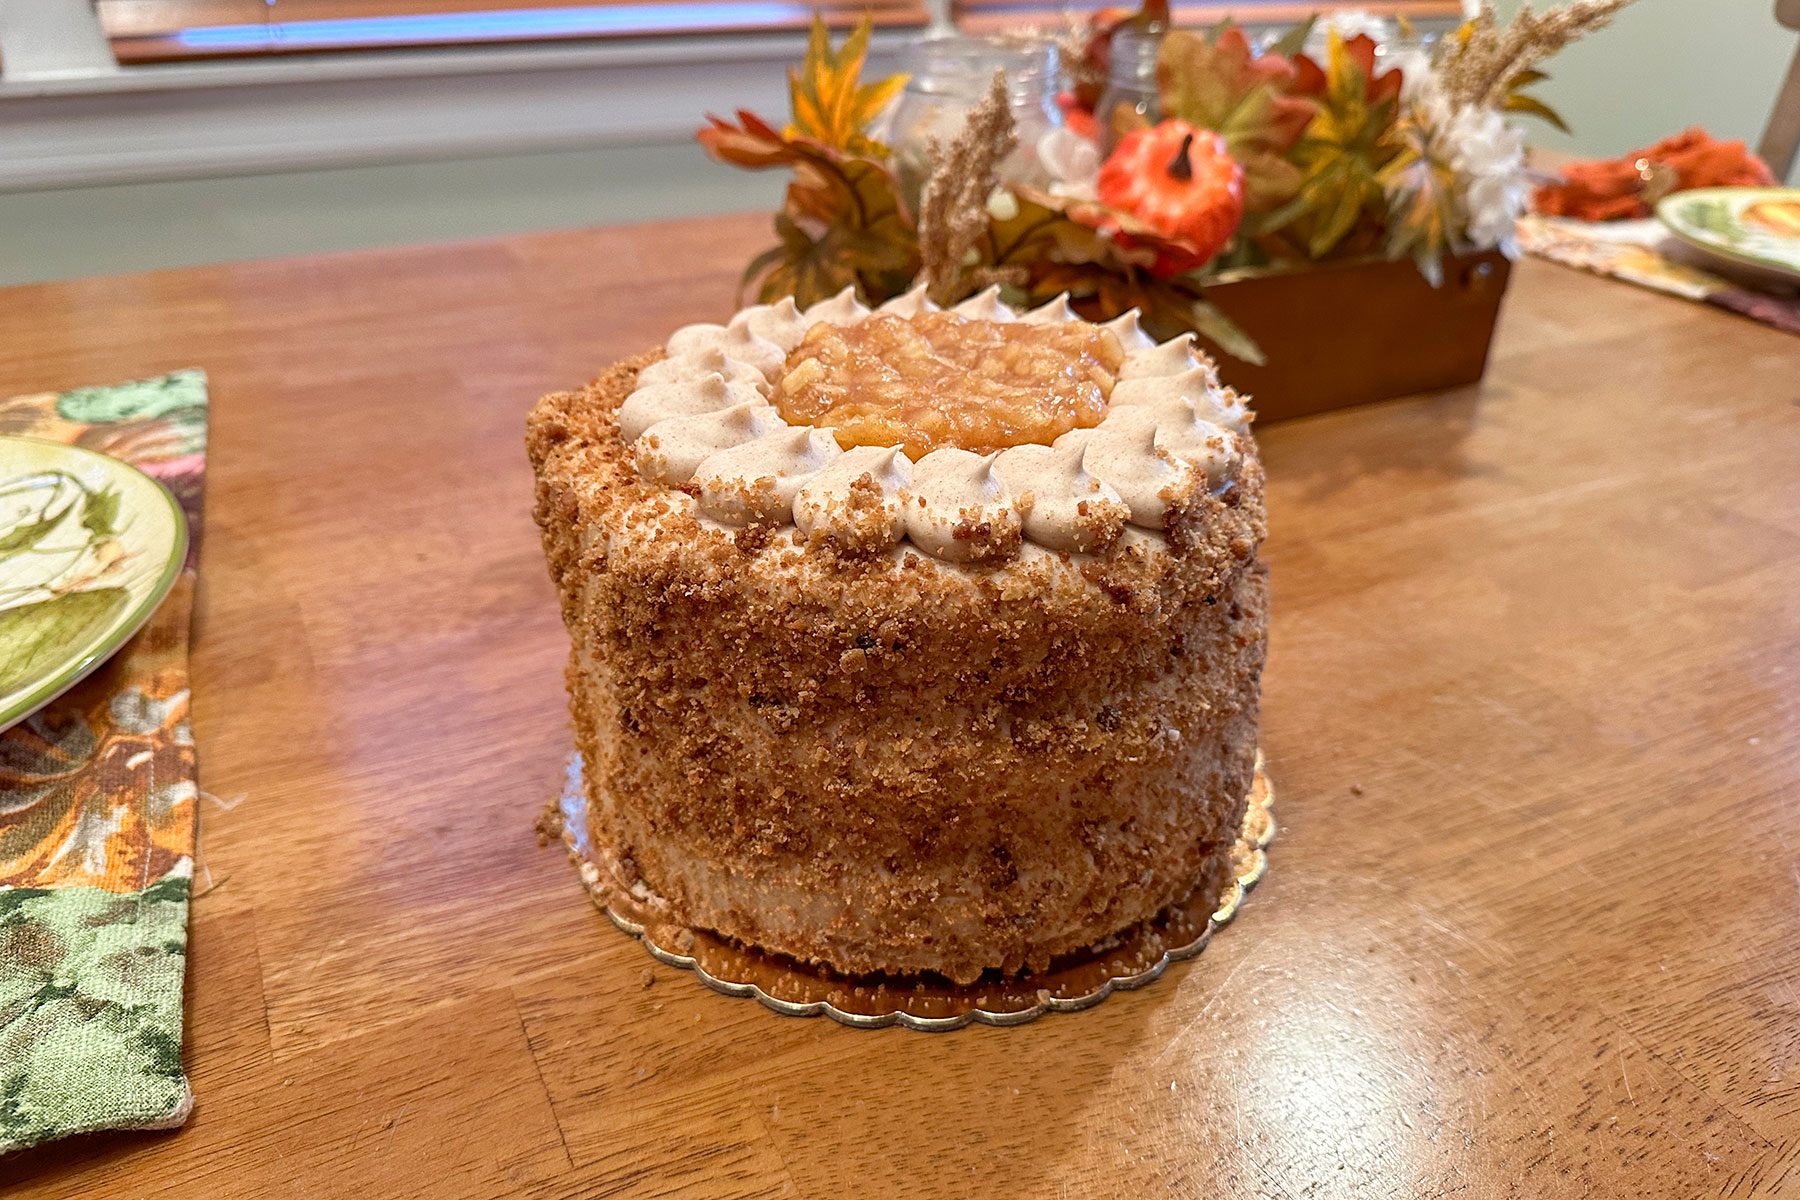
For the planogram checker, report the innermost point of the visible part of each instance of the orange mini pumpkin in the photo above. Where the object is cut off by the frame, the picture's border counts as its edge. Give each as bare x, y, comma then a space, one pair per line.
1180, 181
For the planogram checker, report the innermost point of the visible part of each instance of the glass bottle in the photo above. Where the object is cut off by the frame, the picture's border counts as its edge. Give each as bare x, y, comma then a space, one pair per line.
1130, 98
949, 76
1153, 17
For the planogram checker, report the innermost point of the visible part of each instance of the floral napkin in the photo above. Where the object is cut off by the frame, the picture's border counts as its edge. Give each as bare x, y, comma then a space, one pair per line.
97, 811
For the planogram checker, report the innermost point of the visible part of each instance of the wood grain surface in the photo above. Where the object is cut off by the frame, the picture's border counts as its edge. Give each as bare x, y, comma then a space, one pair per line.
1532, 709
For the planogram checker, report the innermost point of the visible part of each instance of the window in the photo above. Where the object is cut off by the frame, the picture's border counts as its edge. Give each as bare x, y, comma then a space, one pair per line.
162, 30
991, 14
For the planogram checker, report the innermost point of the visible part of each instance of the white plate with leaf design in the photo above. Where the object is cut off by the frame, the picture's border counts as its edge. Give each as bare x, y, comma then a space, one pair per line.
1754, 228
89, 546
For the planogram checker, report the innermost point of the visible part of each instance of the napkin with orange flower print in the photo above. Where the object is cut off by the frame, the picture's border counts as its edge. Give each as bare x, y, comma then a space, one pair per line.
97, 809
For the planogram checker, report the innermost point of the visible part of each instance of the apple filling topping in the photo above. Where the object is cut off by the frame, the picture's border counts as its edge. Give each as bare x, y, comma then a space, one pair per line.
939, 379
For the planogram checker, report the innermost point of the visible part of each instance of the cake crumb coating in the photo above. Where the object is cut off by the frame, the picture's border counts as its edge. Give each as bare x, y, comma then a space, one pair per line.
881, 762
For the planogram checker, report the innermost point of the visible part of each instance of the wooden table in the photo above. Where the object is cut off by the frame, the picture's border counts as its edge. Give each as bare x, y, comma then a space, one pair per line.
1532, 710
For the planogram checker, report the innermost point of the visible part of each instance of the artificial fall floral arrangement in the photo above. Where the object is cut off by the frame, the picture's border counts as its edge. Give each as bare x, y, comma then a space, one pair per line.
1272, 159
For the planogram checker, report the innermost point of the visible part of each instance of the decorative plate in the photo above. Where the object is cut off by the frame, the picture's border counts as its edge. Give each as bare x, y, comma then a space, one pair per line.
89, 546
1757, 228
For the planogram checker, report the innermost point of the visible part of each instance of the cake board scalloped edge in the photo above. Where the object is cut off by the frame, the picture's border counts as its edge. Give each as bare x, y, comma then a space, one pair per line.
1132, 959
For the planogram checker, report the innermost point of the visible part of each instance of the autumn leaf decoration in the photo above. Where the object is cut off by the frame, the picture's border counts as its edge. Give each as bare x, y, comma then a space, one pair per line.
843, 223
1480, 63
1335, 164
1421, 191
1215, 81
832, 106
1516, 101
1343, 152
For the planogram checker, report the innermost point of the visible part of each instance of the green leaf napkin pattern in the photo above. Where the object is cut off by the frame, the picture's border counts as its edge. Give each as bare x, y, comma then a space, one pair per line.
98, 800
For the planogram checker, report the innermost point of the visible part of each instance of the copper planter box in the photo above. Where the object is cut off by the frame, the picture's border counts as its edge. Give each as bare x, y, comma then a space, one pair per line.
1355, 332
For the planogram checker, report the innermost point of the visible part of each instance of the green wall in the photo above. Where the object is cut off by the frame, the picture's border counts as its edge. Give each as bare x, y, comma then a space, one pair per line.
70, 232
1663, 65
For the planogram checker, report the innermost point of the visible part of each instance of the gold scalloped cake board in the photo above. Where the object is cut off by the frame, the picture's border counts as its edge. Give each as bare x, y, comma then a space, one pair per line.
1131, 960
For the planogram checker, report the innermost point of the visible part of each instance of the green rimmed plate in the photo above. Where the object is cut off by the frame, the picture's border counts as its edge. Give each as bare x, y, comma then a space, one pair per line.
1757, 228
89, 546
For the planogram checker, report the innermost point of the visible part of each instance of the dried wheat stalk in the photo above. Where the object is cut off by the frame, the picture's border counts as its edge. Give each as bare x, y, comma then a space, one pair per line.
953, 207
1478, 69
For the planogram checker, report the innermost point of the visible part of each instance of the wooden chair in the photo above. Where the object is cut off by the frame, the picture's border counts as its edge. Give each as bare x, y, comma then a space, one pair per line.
1782, 136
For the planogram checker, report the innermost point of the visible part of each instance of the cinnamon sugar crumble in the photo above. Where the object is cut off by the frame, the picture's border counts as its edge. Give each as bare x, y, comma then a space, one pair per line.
939, 379
751, 538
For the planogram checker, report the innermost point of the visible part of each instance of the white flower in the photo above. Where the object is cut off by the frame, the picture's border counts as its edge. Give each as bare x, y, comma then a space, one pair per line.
1071, 161
1348, 24
1413, 61
1488, 156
